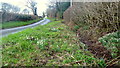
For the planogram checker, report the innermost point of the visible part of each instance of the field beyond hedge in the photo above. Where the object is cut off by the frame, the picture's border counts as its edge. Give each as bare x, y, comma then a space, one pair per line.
12, 24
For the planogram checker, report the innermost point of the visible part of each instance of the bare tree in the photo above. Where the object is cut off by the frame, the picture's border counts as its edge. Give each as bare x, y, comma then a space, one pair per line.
32, 5
9, 8
15, 9
58, 8
25, 11
6, 7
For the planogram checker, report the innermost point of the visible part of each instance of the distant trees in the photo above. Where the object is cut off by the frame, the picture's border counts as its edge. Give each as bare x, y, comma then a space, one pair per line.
51, 12
61, 7
9, 8
32, 5
56, 9
15, 9
10, 12
25, 11
6, 7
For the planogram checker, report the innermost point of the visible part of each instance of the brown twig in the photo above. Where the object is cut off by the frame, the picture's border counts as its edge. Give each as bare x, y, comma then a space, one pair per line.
112, 62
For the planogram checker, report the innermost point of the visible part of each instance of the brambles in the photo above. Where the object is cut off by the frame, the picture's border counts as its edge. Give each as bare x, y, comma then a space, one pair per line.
103, 16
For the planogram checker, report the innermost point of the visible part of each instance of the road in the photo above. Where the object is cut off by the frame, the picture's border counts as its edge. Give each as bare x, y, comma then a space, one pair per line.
5, 32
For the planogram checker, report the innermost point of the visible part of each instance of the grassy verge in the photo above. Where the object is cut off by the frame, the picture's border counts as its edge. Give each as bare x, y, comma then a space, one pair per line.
12, 24
112, 42
49, 45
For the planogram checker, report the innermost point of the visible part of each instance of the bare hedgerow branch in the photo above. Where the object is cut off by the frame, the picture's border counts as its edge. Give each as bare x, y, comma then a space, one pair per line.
102, 15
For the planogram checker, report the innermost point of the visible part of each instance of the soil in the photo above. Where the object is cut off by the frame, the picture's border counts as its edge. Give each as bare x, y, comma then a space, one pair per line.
95, 47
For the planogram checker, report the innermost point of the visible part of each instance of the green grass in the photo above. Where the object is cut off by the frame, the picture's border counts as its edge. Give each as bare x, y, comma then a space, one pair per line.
50, 45
112, 42
12, 24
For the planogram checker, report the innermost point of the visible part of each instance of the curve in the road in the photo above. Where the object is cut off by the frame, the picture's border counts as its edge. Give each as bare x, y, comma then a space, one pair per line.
6, 32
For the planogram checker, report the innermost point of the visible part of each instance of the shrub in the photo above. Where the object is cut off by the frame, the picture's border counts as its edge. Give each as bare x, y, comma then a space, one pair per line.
102, 15
16, 17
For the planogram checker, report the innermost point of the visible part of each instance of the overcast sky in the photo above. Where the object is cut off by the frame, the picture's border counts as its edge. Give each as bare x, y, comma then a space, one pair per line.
41, 4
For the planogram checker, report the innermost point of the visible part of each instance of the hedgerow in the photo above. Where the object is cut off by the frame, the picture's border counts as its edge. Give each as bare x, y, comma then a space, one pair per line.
102, 16
16, 17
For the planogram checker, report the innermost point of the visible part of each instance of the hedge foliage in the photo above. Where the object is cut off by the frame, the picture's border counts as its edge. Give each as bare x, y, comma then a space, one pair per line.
16, 17
100, 15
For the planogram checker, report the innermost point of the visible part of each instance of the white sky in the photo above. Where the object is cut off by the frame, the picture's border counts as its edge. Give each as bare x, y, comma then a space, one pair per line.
41, 4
